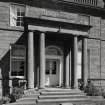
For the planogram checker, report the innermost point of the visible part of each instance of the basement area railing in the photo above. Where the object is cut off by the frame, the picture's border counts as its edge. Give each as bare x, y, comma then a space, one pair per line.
83, 2
86, 2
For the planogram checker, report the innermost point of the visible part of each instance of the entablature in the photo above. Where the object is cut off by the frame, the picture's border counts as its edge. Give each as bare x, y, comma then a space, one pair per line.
44, 25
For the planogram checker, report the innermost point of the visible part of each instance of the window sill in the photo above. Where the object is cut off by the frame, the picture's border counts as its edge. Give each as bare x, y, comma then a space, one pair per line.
21, 28
18, 77
12, 28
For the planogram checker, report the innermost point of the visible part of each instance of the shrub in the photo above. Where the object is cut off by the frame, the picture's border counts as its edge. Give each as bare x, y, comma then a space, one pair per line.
103, 94
80, 84
91, 90
5, 100
17, 93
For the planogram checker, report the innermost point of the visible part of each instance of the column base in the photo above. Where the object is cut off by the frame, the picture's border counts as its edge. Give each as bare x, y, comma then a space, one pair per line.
67, 87
41, 87
31, 87
75, 87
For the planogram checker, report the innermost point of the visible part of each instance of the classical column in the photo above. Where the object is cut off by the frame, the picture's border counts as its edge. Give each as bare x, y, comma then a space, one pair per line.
31, 60
67, 72
75, 61
84, 61
42, 60
70, 68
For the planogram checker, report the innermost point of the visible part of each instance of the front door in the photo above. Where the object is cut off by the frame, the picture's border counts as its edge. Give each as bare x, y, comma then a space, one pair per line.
52, 72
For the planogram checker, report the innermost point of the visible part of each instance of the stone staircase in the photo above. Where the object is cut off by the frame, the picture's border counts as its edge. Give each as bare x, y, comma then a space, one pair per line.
57, 97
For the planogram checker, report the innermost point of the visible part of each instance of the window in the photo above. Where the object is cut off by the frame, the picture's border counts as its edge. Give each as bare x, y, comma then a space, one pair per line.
54, 67
16, 15
18, 60
51, 67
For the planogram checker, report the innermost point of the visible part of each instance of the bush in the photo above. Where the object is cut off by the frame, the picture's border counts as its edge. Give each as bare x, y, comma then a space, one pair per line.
91, 90
103, 94
17, 93
5, 100
80, 84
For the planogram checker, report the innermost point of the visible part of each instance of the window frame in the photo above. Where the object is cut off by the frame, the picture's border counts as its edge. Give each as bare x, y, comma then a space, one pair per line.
17, 58
21, 8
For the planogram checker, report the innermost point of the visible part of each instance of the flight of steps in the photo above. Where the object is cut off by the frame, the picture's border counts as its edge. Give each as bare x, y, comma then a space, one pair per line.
61, 96
57, 97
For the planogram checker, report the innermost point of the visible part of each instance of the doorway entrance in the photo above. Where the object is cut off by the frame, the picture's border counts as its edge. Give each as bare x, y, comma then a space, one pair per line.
54, 66
52, 72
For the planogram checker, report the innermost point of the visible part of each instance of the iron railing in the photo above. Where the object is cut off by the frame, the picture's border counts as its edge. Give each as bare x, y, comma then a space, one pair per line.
84, 2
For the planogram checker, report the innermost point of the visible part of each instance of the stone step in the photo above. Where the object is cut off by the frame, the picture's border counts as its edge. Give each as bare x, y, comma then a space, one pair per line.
69, 103
63, 100
59, 90
60, 93
31, 92
61, 96
31, 96
26, 100
23, 103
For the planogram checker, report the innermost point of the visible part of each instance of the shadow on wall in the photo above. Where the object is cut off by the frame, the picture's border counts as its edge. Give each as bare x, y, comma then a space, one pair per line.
6, 81
5, 67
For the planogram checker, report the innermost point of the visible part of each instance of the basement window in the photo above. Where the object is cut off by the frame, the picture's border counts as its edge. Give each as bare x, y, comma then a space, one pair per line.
17, 14
18, 61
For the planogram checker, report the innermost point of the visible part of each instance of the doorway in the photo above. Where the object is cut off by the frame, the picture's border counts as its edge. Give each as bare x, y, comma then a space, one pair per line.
52, 72
54, 66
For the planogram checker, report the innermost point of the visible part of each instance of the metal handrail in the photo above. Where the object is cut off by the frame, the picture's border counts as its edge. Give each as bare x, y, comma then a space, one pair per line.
86, 2
83, 2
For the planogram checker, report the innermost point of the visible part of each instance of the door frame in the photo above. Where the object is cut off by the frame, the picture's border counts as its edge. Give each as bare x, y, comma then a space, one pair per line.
60, 58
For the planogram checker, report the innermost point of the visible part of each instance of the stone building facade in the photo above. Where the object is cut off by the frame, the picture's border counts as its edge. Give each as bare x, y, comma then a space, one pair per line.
51, 43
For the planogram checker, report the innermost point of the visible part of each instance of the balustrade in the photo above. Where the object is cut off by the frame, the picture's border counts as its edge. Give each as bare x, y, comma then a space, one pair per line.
86, 2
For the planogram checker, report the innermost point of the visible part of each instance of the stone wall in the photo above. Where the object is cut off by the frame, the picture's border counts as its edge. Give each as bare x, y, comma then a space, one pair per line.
103, 63
103, 29
94, 63
96, 45
95, 30
4, 14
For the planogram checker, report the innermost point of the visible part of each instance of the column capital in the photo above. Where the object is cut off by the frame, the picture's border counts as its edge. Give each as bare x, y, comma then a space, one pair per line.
83, 36
75, 35
34, 31
42, 32
30, 31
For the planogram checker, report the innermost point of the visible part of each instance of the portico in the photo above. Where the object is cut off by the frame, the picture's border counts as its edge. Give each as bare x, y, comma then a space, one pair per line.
57, 60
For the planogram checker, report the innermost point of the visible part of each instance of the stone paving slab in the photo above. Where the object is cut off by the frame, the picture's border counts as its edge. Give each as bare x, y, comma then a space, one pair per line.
71, 103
